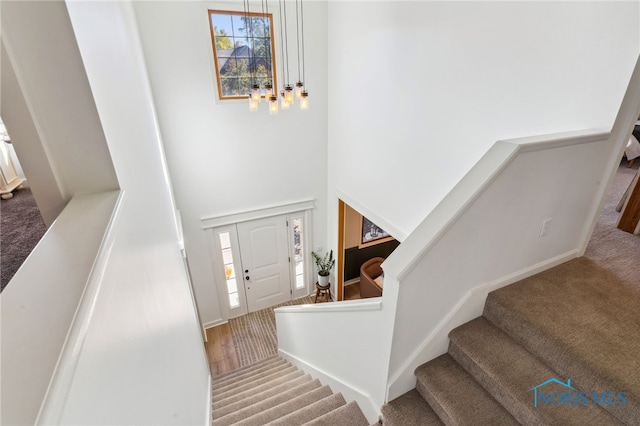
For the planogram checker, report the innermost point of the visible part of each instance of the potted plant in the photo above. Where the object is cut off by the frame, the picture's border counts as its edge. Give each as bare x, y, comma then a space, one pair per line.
324, 265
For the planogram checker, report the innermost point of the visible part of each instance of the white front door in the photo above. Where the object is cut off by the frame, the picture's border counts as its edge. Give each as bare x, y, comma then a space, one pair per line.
265, 261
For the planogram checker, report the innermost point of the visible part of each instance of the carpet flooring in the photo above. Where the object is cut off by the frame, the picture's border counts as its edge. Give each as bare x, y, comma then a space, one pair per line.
21, 228
274, 392
254, 334
610, 248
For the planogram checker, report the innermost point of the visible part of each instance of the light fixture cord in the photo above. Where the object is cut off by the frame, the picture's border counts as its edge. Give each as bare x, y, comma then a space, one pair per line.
286, 37
269, 48
245, 4
282, 38
252, 57
304, 80
298, 38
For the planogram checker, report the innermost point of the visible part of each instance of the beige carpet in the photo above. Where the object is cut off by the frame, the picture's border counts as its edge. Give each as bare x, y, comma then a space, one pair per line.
274, 392
254, 335
610, 248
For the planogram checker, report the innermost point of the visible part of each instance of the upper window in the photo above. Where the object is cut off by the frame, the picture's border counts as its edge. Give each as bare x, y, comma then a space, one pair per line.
243, 51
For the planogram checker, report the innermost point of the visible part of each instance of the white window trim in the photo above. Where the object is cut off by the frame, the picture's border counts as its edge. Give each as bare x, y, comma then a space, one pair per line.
231, 218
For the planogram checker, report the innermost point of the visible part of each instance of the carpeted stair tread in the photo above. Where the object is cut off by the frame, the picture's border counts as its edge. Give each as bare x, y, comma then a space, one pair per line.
409, 409
297, 403
259, 404
507, 371
346, 415
567, 316
243, 399
258, 385
224, 379
456, 397
311, 411
253, 376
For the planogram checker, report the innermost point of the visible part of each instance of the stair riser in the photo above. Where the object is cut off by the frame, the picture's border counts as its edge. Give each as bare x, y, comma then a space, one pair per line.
434, 404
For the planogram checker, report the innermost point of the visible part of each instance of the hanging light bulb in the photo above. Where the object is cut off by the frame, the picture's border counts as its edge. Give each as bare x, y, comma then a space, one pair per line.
253, 105
268, 88
299, 87
288, 94
255, 93
283, 101
273, 104
304, 100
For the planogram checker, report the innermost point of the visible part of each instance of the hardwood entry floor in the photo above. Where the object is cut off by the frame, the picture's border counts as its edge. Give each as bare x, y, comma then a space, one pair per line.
220, 350
222, 354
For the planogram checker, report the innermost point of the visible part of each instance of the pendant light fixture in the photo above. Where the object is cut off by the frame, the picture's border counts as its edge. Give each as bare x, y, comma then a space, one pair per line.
287, 91
254, 93
288, 94
301, 90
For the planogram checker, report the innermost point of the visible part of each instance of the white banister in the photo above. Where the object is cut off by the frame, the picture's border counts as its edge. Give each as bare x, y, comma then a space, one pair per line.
42, 300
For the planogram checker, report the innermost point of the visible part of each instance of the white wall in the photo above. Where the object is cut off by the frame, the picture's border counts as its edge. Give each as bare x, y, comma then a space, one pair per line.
224, 159
66, 131
419, 91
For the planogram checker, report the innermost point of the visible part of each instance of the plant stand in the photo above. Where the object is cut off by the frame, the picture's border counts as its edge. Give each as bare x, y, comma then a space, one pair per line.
323, 291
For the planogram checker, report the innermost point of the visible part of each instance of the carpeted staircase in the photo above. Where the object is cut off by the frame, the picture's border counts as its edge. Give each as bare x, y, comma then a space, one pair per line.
273, 392
573, 322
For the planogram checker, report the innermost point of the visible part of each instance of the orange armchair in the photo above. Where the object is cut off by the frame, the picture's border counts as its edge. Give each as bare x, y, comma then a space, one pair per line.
369, 271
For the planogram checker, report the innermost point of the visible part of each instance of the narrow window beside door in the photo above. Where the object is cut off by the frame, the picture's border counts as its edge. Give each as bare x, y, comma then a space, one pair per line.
229, 270
298, 242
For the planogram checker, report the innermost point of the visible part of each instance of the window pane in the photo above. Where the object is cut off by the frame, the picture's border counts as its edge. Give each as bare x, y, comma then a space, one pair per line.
232, 287
297, 238
229, 86
299, 281
234, 301
227, 257
225, 242
299, 268
229, 271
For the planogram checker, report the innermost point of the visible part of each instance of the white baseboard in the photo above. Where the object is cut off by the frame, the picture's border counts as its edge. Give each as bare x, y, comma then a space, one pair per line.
212, 324
351, 281
350, 393
469, 307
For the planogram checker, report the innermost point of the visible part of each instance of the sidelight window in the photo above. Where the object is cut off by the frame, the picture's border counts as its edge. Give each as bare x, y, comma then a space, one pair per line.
229, 270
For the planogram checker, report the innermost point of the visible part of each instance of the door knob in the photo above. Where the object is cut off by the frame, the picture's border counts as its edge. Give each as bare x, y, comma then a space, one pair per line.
247, 278
246, 271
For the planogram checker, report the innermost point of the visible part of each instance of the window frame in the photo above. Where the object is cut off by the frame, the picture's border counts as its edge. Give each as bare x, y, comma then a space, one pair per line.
269, 16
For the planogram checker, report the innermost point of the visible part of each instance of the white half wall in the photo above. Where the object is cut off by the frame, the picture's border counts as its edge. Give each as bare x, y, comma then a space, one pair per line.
344, 344
486, 234
222, 158
420, 90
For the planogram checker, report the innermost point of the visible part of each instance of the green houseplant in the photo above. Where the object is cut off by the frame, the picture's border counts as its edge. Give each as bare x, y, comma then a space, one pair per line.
324, 264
